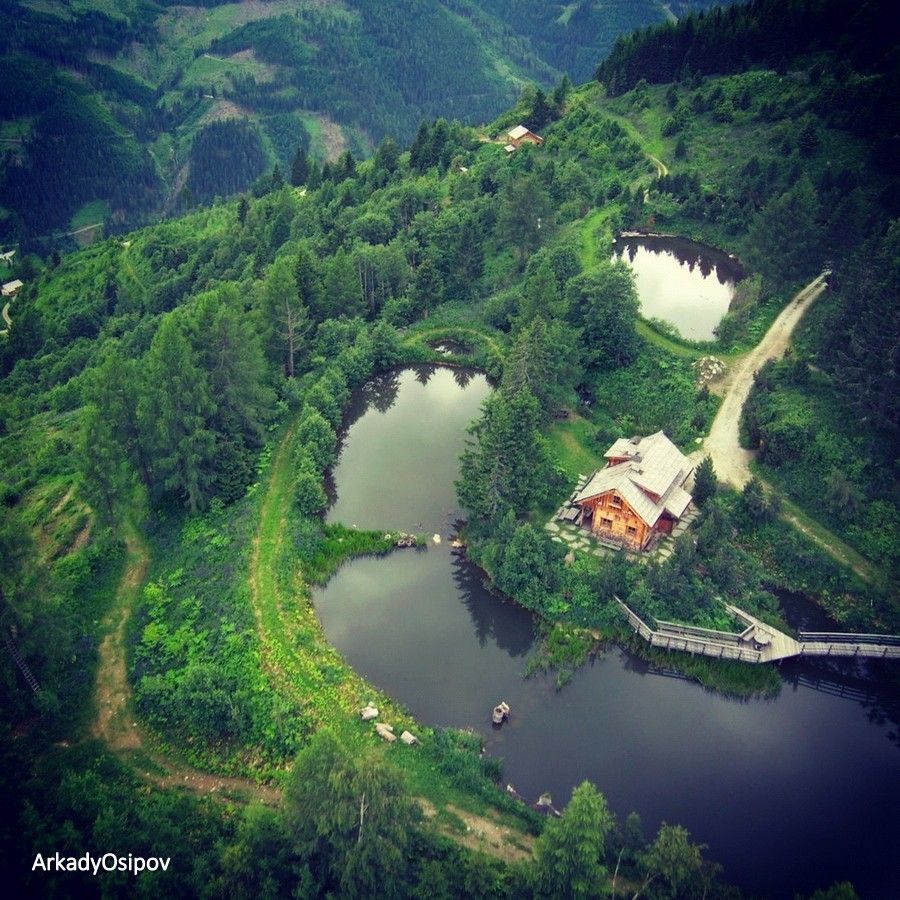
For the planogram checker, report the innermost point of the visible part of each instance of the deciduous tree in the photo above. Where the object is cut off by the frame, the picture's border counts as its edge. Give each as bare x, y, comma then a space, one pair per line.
285, 315
348, 813
570, 851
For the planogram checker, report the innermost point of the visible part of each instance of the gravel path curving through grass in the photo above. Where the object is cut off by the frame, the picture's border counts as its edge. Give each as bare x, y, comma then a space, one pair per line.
730, 460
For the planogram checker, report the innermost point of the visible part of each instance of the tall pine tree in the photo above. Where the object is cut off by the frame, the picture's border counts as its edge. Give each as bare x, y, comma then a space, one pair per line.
299, 168
174, 412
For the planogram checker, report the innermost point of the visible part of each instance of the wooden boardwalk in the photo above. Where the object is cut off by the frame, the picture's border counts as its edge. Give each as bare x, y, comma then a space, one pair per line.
759, 642
27, 674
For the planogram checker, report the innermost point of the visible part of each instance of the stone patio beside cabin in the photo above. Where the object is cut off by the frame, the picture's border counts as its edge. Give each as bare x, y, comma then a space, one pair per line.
562, 527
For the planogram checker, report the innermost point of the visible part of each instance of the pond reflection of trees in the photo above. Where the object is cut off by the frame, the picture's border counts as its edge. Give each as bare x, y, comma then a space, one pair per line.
424, 373
687, 253
510, 626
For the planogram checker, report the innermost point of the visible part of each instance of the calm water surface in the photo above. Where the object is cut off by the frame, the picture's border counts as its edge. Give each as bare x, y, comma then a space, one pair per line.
684, 283
789, 794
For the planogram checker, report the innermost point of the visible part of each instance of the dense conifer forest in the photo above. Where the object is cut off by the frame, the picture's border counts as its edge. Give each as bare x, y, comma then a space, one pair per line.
171, 397
138, 88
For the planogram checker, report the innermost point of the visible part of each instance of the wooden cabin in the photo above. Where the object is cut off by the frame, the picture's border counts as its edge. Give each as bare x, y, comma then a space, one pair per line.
639, 494
521, 135
11, 288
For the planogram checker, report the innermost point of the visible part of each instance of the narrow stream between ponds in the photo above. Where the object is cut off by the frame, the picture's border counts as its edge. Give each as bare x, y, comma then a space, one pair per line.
686, 284
789, 794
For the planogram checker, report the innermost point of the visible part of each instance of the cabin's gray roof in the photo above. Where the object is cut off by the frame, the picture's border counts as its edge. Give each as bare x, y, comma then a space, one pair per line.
517, 132
649, 482
676, 501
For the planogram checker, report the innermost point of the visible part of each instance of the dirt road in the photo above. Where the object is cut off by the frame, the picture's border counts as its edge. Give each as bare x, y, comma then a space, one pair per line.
115, 720
729, 459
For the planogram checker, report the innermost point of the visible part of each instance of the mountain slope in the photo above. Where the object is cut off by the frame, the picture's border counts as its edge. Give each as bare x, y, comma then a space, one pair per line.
573, 36
137, 81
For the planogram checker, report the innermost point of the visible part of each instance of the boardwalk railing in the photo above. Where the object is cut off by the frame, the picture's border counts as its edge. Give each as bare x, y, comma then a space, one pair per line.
27, 674
760, 642
835, 643
723, 637
635, 621
690, 639
838, 637
704, 648
844, 648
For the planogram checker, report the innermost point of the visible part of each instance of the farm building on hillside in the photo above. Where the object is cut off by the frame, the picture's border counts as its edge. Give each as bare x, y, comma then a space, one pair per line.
639, 494
11, 288
521, 135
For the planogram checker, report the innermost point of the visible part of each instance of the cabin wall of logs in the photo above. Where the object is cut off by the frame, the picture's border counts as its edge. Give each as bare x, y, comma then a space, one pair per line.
613, 517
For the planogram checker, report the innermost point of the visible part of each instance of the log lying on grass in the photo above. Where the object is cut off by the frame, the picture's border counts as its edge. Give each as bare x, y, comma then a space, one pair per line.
385, 732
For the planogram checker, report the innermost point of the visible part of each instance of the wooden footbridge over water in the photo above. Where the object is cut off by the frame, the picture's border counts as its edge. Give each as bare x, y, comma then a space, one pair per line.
760, 642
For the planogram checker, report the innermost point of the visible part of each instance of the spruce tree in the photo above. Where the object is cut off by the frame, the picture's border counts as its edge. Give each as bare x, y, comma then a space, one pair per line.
544, 361
107, 479
705, 483
277, 178
310, 289
299, 168
115, 390
604, 304
540, 296
418, 152
541, 113
561, 94
347, 165
228, 349
525, 215
173, 413
387, 156
428, 288
506, 464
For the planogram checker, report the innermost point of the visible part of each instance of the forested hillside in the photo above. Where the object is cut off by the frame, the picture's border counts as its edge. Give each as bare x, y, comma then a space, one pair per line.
573, 36
138, 87
171, 400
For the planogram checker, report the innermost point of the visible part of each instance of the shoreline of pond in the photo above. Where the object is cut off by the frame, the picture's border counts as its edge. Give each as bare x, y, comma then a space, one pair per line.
637, 233
428, 630
725, 678
684, 285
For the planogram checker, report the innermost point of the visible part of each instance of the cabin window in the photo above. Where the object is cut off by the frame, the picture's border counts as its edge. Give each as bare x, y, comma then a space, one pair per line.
632, 531
606, 523
615, 501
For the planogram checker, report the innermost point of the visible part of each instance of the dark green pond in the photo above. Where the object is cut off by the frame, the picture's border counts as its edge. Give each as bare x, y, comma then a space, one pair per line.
789, 794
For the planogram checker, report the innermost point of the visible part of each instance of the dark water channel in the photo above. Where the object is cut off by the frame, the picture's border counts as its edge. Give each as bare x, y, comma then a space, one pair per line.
681, 282
789, 794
